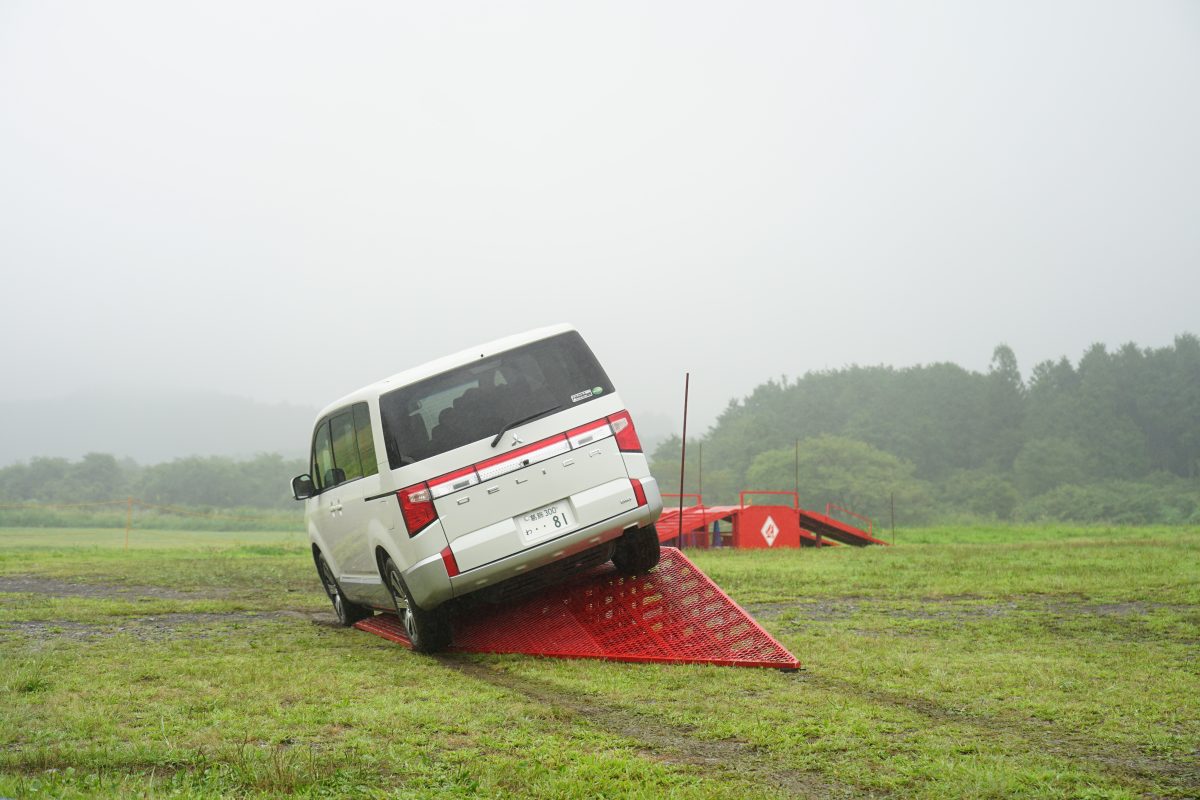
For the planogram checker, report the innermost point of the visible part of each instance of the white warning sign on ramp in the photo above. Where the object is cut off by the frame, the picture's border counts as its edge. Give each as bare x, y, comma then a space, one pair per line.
769, 531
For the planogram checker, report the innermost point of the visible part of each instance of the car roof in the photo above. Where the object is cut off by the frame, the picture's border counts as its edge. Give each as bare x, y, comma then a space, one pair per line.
443, 364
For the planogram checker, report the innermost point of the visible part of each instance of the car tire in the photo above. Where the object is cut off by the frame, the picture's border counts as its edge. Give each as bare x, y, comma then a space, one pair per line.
428, 630
637, 551
347, 613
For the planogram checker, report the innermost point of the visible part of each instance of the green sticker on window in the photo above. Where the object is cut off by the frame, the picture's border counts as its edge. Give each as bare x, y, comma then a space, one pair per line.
598, 390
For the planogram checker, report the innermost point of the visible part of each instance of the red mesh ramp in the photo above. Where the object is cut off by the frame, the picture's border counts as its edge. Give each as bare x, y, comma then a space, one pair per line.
676, 614
386, 625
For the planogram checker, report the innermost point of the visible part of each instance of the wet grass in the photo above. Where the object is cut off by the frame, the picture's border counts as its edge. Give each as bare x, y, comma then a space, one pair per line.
992, 662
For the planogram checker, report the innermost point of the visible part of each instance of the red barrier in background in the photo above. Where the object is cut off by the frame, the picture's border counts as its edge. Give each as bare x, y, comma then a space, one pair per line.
767, 526
761, 527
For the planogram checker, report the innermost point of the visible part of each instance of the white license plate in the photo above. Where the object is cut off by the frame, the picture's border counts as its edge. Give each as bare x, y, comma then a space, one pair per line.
547, 521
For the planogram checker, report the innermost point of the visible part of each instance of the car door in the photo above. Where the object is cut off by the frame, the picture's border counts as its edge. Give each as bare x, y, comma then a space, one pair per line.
343, 503
325, 478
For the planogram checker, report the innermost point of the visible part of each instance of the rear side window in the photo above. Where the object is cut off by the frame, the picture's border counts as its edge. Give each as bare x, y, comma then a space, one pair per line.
475, 401
366, 442
343, 447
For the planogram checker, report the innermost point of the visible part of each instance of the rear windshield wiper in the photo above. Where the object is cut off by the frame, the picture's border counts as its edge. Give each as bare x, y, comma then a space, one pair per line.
522, 421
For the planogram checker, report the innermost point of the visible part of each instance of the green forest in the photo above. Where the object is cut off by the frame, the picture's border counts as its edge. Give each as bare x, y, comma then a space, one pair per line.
1113, 438
211, 482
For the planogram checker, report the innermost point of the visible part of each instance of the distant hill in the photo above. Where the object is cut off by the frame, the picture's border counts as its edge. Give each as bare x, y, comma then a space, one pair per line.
152, 428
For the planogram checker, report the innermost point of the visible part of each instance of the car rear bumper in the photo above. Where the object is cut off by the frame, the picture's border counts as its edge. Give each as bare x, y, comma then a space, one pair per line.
430, 585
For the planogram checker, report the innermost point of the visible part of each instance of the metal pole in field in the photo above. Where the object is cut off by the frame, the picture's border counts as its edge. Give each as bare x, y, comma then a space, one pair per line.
687, 378
797, 486
128, 519
893, 517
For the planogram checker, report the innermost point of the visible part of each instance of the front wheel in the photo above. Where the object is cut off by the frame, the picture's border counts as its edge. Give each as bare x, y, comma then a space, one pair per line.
347, 612
636, 551
429, 631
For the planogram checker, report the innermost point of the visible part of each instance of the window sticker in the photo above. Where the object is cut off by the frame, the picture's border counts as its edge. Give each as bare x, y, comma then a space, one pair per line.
584, 395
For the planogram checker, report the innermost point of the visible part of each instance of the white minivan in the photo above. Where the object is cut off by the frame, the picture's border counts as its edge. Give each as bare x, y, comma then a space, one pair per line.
480, 475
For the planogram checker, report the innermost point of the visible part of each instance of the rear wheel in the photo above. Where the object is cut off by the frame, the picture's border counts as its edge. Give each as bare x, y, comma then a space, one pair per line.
636, 551
429, 631
347, 612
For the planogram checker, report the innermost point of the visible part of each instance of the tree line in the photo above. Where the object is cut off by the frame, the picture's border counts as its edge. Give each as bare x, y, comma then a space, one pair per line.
207, 482
1114, 437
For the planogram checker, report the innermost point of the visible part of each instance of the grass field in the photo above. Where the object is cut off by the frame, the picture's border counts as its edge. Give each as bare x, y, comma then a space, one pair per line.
982, 662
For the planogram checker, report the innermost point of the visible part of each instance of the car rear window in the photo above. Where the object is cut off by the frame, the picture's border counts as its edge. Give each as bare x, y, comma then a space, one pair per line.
476, 400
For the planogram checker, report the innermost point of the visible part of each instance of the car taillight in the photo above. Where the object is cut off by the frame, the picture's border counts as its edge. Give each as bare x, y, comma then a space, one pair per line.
586, 434
448, 560
452, 482
627, 438
416, 505
638, 492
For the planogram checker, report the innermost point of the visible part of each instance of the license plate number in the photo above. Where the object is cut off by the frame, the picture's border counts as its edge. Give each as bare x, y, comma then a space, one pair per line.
547, 521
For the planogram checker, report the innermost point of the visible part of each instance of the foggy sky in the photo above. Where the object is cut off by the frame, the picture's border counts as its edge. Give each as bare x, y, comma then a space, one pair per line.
285, 201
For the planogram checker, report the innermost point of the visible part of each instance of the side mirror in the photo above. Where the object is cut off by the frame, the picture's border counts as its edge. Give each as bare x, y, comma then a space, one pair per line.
302, 487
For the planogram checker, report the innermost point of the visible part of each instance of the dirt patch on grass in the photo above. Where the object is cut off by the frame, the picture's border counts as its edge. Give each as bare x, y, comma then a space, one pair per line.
159, 627
795, 614
33, 584
659, 739
1132, 608
956, 609
804, 610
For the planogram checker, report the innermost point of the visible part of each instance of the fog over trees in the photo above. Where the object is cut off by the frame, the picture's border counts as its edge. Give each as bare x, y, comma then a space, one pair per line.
211, 481
150, 426
1112, 437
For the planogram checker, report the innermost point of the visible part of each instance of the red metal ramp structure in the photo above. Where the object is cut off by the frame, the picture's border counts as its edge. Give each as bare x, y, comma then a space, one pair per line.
749, 526
828, 527
761, 526
675, 614
697, 522
777, 526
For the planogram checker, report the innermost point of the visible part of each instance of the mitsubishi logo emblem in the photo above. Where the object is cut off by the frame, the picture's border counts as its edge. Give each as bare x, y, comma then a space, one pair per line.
516, 441
769, 531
